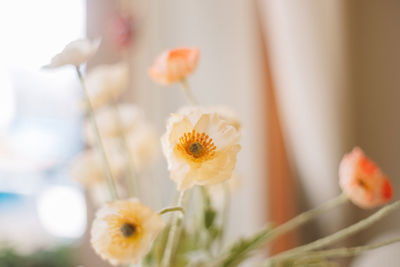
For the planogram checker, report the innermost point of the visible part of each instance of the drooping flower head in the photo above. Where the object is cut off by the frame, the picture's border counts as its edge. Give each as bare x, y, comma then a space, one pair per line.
124, 230
174, 65
75, 53
105, 83
201, 148
362, 180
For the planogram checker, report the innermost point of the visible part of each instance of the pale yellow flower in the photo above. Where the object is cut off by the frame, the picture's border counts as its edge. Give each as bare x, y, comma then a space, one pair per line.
200, 148
224, 112
87, 168
105, 83
131, 118
123, 231
75, 53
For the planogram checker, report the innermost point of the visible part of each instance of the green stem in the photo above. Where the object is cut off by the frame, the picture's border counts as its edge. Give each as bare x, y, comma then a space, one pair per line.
342, 234
133, 185
306, 216
225, 214
106, 164
188, 92
345, 252
172, 235
172, 209
267, 234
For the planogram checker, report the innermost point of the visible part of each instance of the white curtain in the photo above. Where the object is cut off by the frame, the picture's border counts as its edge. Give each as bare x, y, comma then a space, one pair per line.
336, 68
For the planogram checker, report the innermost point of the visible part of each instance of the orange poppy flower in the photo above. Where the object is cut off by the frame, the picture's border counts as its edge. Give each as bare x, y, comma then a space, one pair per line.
174, 65
362, 180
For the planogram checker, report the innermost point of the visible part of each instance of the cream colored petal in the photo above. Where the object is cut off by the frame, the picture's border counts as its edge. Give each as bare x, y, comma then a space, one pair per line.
75, 53
178, 174
220, 168
209, 172
219, 130
225, 113
176, 127
102, 233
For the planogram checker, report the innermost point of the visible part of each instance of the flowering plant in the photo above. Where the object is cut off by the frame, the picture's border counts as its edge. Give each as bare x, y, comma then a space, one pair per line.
201, 146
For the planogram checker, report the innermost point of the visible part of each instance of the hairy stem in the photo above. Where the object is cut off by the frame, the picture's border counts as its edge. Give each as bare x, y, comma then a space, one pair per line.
172, 209
345, 252
342, 234
268, 234
172, 235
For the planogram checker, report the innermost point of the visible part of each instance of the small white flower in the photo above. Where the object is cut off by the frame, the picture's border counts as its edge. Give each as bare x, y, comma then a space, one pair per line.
75, 53
87, 168
105, 83
200, 148
124, 230
130, 116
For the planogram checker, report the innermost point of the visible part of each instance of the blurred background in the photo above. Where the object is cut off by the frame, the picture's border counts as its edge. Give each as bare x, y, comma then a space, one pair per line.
309, 79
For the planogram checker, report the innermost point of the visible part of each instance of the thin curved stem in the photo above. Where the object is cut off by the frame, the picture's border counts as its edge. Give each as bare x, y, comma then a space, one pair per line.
172, 235
342, 234
106, 164
133, 183
225, 213
188, 92
268, 234
172, 209
306, 216
346, 252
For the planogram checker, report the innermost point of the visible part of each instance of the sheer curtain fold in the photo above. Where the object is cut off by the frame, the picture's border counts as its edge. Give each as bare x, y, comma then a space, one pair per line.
336, 70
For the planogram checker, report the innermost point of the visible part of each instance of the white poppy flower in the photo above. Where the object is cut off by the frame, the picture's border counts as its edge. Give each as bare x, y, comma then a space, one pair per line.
200, 148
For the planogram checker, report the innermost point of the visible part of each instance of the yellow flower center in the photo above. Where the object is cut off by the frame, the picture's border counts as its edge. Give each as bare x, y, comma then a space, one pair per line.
127, 229
197, 147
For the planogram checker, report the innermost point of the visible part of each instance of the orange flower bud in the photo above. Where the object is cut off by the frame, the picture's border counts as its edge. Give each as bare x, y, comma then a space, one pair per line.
174, 65
362, 180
